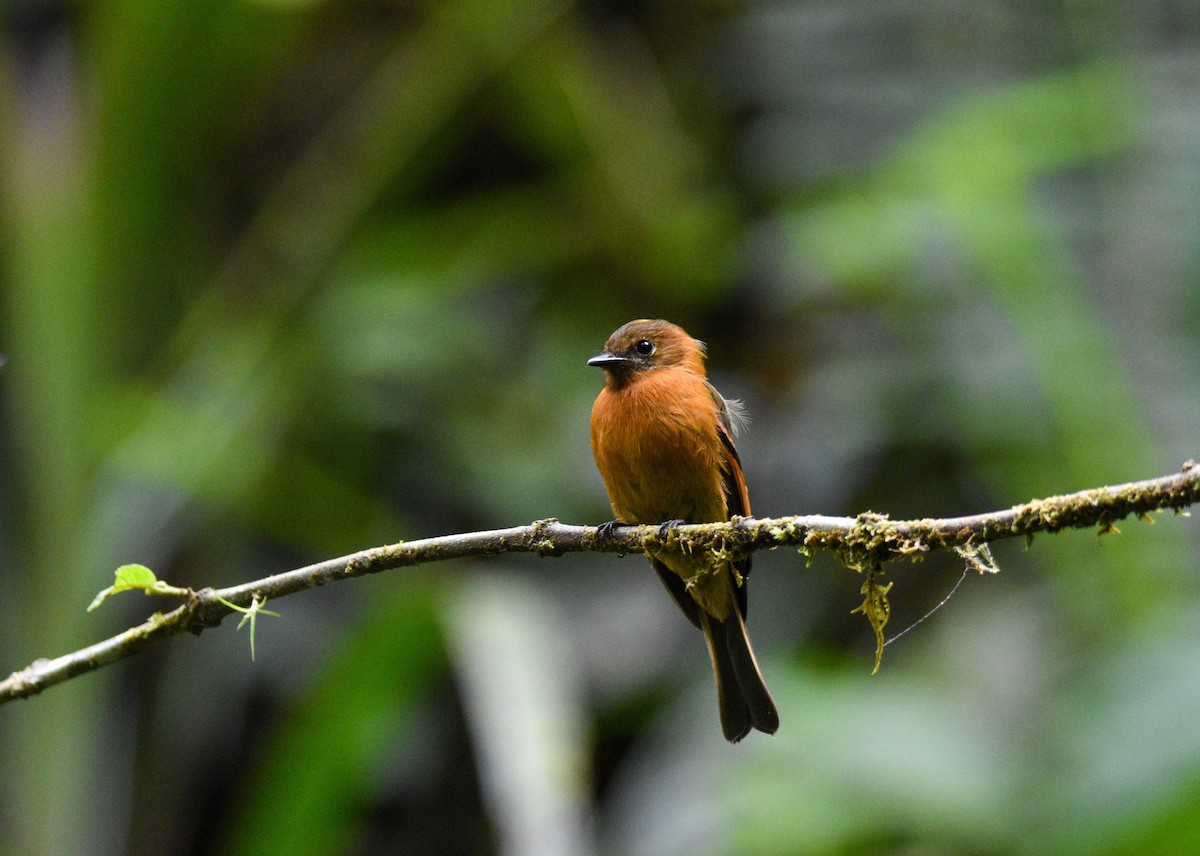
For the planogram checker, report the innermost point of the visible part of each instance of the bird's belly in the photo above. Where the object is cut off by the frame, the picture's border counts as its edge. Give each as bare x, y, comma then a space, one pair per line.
668, 485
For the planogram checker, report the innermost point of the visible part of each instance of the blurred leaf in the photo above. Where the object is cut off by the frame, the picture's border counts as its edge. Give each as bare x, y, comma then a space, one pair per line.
972, 176
640, 175
525, 709
172, 79
858, 761
317, 774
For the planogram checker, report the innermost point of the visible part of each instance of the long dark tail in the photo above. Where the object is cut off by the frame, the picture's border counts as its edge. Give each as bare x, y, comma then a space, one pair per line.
742, 695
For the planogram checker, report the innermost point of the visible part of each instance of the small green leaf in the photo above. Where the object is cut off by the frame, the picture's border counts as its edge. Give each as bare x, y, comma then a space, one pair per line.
127, 577
130, 577
134, 576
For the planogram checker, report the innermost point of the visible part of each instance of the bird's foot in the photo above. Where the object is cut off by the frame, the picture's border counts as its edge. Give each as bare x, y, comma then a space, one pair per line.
667, 526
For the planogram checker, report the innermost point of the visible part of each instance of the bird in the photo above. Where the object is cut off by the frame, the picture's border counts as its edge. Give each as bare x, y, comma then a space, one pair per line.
662, 437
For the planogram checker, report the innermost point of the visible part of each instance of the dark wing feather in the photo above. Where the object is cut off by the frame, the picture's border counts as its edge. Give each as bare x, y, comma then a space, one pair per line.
737, 498
679, 593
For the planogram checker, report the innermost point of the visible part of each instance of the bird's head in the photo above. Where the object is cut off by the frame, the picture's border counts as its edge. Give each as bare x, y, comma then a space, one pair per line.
645, 345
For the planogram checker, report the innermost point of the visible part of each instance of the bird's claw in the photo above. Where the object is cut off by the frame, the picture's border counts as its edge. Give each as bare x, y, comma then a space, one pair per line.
667, 525
605, 530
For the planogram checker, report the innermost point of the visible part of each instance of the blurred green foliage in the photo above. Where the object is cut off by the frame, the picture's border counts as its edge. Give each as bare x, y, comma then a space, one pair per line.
282, 280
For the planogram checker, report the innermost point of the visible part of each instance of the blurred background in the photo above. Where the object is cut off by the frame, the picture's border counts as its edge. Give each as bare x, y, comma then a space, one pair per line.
284, 279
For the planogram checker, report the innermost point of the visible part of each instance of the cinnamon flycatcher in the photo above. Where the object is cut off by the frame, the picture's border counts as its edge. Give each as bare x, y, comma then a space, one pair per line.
663, 442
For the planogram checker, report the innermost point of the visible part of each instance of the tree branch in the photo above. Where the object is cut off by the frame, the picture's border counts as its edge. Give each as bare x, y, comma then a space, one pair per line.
865, 541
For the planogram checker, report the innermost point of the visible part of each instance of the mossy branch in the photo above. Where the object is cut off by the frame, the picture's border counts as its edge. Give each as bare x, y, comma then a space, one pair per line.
861, 542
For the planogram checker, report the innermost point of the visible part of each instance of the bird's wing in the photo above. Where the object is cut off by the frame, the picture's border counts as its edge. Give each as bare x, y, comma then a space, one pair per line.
678, 591
737, 498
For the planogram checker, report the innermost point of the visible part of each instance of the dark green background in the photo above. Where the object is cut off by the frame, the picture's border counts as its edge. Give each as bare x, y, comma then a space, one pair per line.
285, 279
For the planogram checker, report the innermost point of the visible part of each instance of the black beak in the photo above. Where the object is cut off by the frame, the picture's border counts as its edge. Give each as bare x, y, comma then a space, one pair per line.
609, 361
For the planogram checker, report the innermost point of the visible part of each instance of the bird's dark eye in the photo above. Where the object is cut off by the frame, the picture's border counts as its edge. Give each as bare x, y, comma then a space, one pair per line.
644, 347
